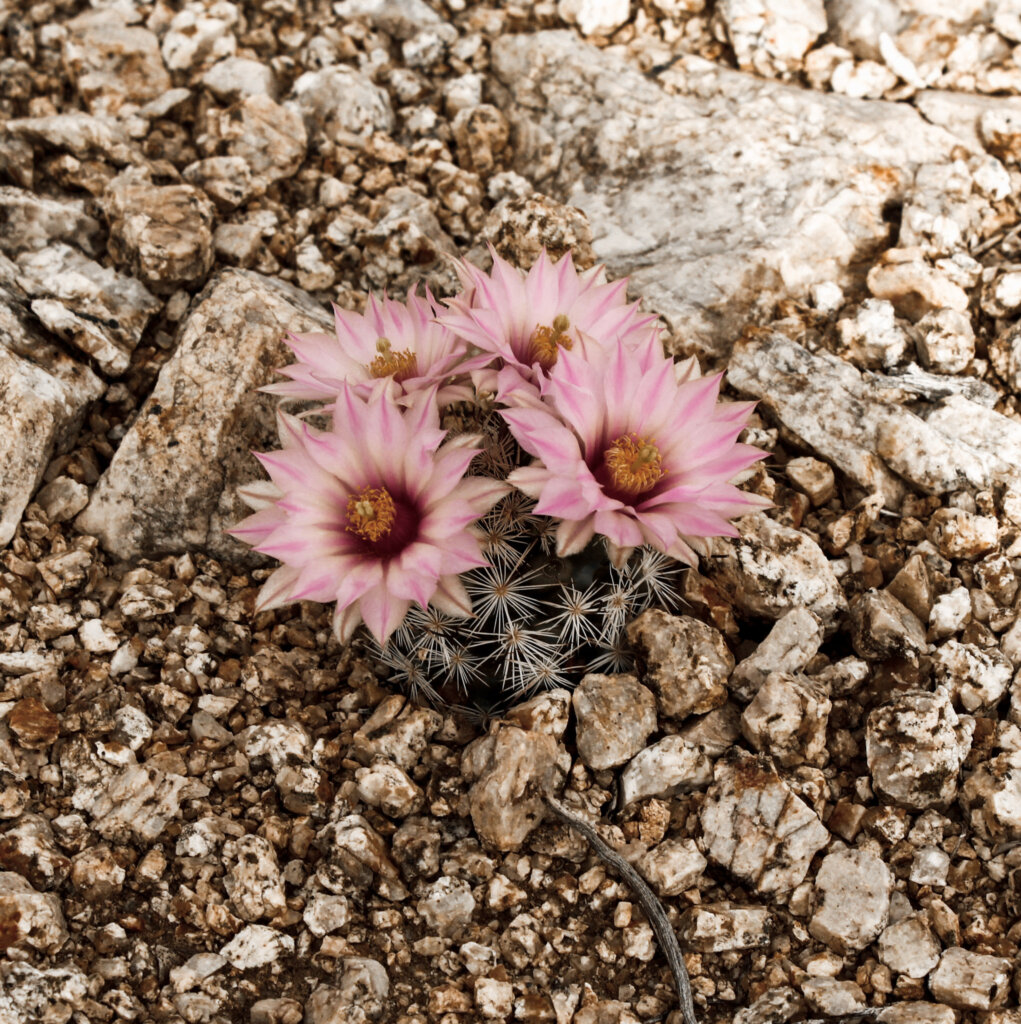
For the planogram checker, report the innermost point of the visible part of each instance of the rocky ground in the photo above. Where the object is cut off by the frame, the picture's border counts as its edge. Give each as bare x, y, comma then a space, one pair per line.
212, 815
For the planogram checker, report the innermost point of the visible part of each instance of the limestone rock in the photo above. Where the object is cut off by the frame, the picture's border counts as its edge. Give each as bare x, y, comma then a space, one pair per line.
234, 78
340, 102
670, 766
80, 134
96, 309
269, 138
754, 826
962, 534
140, 801
720, 927
833, 998
881, 627
615, 715
30, 222
447, 905
39, 413
971, 981
390, 789
787, 719
945, 341
510, 770
172, 484
257, 945
29, 848
199, 34
355, 854
974, 678
992, 793
771, 569
915, 746
112, 62
162, 233
844, 418
360, 997
253, 880
852, 891
29, 919
686, 662
792, 642
48, 995
672, 866
909, 947
771, 37
643, 143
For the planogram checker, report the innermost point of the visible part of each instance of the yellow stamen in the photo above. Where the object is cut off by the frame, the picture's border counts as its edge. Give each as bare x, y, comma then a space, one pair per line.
545, 341
634, 463
399, 365
371, 513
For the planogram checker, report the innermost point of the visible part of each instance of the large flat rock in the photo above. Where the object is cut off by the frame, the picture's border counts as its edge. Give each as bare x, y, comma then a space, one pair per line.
171, 486
720, 193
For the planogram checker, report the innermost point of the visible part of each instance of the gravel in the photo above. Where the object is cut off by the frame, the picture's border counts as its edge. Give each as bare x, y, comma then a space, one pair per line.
213, 815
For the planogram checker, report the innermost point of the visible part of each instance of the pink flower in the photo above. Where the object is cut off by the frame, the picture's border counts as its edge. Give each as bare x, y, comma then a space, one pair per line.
394, 340
373, 514
639, 451
529, 319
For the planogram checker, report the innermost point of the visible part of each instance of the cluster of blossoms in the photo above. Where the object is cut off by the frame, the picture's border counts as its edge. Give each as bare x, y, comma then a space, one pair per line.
505, 478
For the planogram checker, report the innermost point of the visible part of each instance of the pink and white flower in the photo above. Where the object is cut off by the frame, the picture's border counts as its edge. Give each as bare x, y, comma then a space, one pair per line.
393, 340
373, 514
528, 320
635, 450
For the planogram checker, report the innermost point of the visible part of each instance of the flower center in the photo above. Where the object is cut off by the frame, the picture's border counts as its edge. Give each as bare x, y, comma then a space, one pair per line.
371, 513
399, 365
634, 464
545, 341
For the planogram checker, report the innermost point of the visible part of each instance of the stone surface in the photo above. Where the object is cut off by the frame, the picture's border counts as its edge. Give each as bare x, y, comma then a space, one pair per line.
162, 233
30, 222
673, 866
756, 827
172, 485
29, 919
719, 927
670, 766
915, 746
615, 715
852, 892
447, 905
38, 413
340, 102
390, 789
993, 795
971, 981
257, 945
909, 947
140, 801
686, 662
112, 62
360, 996
791, 644
771, 569
570, 100
253, 879
881, 627
510, 770
97, 310
974, 678
843, 417
833, 998
787, 720
48, 995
